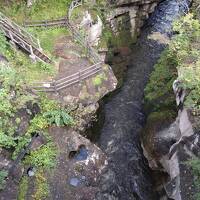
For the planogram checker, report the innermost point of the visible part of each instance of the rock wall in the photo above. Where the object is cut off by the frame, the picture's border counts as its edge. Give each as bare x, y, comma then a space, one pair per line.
130, 14
172, 147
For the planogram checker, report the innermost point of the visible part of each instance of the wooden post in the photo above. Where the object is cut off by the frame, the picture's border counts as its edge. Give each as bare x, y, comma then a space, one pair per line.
32, 55
54, 86
38, 41
79, 76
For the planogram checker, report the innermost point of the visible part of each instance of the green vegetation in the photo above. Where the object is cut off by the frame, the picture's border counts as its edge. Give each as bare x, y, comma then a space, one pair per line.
23, 65
40, 9
98, 79
3, 175
23, 187
49, 36
158, 92
43, 158
14, 100
3, 44
58, 117
195, 165
185, 46
180, 61
42, 188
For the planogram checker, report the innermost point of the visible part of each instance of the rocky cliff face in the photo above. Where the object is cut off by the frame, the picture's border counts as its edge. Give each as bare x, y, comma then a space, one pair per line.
172, 146
130, 14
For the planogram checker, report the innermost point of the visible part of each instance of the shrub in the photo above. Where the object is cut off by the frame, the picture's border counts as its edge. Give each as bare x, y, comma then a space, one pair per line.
43, 157
195, 165
3, 175
3, 43
185, 45
58, 117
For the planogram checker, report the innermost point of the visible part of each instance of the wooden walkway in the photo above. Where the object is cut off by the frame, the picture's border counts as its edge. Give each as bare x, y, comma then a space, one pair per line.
22, 38
57, 85
32, 45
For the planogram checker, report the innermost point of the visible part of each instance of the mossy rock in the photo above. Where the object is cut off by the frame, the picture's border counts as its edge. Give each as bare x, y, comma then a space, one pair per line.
156, 122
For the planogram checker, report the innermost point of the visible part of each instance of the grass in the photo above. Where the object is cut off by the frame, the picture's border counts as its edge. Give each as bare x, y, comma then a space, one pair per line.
40, 10
48, 37
23, 187
42, 187
32, 71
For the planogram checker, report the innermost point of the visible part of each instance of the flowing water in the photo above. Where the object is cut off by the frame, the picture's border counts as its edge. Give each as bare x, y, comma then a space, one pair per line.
128, 176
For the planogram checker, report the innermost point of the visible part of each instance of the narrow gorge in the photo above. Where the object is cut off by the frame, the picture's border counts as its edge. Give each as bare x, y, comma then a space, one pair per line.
97, 128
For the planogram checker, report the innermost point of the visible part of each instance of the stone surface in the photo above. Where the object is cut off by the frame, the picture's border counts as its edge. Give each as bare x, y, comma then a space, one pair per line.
130, 15
3, 59
76, 174
185, 145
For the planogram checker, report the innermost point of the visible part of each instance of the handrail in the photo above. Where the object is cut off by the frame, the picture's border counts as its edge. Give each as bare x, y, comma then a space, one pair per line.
74, 4
65, 82
45, 23
16, 34
20, 30
56, 85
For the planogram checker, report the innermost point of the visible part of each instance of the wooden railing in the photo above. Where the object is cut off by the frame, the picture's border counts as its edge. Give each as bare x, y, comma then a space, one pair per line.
34, 41
22, 38
57, 85
46, 23
74, 4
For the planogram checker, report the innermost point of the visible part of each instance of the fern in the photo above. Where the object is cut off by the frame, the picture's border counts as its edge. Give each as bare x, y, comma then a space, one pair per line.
59, 117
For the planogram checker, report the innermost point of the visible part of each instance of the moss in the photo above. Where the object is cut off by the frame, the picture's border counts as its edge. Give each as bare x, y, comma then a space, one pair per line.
42, 187
41, 9
98, 79
156, 122
158, 92
23, 187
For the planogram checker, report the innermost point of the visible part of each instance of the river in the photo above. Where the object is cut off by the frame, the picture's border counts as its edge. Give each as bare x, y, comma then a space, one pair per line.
128, 176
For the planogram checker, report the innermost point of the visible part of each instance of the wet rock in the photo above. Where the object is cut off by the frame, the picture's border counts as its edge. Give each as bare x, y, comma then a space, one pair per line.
79, 165
38, 142
70, 99
31, 171
130, 15
74, 182
3, 59
5, 160
173, 160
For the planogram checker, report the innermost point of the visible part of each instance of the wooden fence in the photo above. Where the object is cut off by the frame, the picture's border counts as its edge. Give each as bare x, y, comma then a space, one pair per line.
34, 41
74, 4
57, 85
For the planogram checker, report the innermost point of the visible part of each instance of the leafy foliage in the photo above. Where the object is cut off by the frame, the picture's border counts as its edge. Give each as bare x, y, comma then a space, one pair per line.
3, 175
6, 140
23, 187
185, 45
42, 187
195, 165
158, 92
43, 157
58, 117
3, 43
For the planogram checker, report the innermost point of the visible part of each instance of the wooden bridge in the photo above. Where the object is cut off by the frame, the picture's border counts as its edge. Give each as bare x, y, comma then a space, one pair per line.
22, 38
